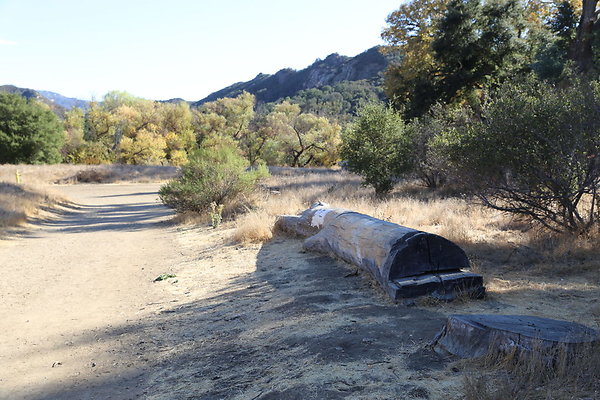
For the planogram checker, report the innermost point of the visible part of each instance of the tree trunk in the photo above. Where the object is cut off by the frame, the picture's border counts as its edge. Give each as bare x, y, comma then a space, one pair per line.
469, 336
404, 261
581, 51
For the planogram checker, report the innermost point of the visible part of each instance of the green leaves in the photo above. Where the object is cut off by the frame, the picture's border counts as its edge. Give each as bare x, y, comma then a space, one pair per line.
164, 277
217, 174
29, 132
534, 153
378, 147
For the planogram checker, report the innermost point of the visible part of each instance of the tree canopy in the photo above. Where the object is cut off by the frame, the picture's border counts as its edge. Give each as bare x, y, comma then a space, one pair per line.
29, 132
451, 50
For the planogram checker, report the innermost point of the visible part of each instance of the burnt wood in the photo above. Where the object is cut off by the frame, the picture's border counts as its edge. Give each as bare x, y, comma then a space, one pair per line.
406, 262
469, 336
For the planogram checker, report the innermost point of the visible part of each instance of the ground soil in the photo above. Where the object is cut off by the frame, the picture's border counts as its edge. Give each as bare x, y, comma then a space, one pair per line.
83, 319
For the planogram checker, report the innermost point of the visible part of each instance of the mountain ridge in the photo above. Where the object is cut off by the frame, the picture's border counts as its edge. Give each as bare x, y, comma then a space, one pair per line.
367, 66
286, 82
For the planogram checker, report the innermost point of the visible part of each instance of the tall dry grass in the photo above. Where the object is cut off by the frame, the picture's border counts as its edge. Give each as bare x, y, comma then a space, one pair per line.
489, 236
540, 374
289, 191
70, 173
20, 202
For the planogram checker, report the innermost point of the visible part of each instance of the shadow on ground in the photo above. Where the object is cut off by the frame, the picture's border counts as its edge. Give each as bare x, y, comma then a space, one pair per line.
108, 217
300, 326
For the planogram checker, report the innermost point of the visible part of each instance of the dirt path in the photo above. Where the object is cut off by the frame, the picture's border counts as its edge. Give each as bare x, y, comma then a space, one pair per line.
70, 281
82, 319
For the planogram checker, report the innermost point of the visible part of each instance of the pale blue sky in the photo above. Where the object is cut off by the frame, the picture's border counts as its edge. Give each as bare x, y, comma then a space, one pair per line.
174, 48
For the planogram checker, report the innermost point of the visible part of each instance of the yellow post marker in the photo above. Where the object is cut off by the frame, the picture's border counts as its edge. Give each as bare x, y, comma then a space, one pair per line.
18, 176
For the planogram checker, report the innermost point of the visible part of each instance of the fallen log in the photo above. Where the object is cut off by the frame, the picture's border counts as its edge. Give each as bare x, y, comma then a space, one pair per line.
406, 262
470, 336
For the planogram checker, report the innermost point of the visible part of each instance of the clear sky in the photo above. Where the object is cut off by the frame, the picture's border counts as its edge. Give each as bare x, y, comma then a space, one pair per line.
160, 49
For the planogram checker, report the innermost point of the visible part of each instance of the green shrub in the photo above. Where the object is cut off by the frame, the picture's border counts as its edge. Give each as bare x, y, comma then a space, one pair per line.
431, 158
218, 174
536, 152
378, 147
29, 132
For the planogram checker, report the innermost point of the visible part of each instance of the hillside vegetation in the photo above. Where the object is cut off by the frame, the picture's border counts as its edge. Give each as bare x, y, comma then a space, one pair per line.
367, 66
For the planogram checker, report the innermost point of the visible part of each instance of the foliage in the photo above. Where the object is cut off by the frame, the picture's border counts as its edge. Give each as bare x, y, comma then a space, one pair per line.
234, 115
432, 163
451, 49
216, 174
554, 52
163, 277
410, 33
476, 42
132, 130
338, 102
216, 214
535, 153
303, 139
29, 132
74, 126
378, 147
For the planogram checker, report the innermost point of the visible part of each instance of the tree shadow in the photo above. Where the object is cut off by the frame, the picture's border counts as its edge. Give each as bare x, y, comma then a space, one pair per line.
298, 326
108, 217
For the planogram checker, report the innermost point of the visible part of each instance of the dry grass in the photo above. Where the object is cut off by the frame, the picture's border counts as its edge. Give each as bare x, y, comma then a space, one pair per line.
254, 227
18, 203
490, 237
69, 173
537, 375
290, 191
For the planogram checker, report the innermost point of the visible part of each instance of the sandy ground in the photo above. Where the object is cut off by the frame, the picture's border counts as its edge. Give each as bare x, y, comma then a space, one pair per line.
74, 285
82, 318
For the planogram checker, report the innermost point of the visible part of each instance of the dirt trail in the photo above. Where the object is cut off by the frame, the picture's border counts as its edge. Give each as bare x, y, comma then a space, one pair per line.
82, 319
69, 281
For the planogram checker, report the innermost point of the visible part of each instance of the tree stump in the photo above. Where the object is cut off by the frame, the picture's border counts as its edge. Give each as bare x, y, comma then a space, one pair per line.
404, 261
469, 336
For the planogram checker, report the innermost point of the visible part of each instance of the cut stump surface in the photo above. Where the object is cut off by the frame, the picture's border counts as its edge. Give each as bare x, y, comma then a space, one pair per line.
469, 336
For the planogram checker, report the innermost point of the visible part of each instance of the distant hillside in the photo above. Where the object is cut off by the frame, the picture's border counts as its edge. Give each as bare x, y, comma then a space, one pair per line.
334, 69
174, 101
27, 93
59, 104
66, 102
34, 94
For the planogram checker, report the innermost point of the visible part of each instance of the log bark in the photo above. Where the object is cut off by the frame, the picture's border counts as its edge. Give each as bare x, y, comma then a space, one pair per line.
406, 262
470, 336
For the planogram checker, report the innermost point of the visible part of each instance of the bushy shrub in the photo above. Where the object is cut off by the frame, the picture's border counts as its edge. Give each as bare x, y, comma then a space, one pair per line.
216, 174
431, 158
536, 152
378, 147
29, 132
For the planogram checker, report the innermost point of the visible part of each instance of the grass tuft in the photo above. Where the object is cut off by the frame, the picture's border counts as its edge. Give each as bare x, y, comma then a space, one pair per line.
254, 227
558, 373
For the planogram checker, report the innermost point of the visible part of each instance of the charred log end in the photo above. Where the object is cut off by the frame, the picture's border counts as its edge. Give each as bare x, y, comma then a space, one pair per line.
470, 336
425, 253
445, 286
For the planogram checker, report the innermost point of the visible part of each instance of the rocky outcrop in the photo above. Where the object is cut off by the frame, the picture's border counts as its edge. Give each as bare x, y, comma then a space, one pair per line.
287, 82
